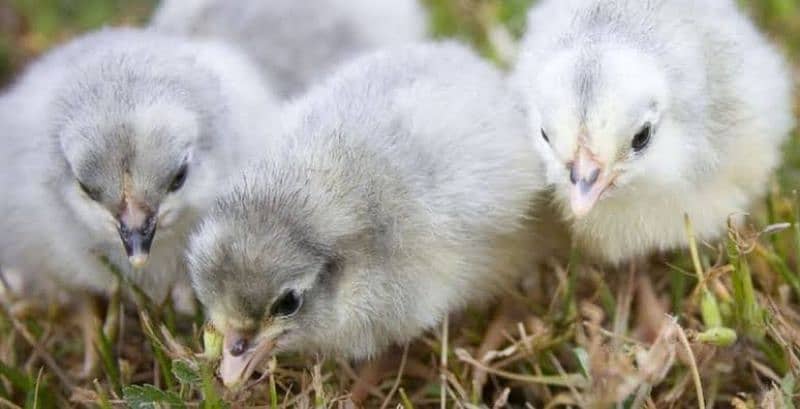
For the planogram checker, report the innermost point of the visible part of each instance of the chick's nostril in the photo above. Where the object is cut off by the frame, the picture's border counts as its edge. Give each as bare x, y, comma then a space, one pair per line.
137, 240
593, 177
238, 347
573, 174
585, 184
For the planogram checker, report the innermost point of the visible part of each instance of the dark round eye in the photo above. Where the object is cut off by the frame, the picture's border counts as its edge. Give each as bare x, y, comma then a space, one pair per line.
287, 304
93, 194
179, 179
642, 138
545, 137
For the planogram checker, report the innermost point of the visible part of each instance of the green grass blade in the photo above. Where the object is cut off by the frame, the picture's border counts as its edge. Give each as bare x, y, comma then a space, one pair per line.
102, 396
211, 399
159, 350
108, 358
749, 315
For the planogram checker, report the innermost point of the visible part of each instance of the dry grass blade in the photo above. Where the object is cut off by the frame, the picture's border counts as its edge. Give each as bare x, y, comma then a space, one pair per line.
398, 379
8, 404
625, 299
502, 400
701, 402
567, 380
46, 357
443, 362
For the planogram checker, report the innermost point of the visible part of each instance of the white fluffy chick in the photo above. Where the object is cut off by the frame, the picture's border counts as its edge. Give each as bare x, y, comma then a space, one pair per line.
397, 194
651, 110
114, 144
297, 42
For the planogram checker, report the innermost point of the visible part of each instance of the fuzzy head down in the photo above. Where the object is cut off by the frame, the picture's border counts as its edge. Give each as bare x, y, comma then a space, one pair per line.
138, 130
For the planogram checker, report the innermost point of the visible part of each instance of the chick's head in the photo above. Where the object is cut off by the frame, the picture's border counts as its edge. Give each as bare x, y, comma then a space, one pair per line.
136, 136
267, 275
606, 124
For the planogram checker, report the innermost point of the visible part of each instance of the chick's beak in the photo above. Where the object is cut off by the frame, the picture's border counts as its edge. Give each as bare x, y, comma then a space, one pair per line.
589, 182
137, 228
241, 356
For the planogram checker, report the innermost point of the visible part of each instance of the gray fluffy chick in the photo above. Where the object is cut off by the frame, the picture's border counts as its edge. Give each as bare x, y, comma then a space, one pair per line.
397, 194
114, 144
297, 42
651, 110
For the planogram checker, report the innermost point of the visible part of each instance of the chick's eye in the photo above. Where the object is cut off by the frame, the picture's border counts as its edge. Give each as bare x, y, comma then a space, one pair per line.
288, 304
642, 138
93, 194
545, 137
179, 179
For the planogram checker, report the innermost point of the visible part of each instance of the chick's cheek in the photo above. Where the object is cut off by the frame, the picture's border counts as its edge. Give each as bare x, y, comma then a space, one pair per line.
167, 216
94, 216
556, 173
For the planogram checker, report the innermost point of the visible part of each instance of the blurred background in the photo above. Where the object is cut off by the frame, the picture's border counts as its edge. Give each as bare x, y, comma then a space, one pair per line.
28, 27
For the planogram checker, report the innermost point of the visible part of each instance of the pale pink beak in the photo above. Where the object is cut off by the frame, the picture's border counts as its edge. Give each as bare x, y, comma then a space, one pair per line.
589, 182
240, 359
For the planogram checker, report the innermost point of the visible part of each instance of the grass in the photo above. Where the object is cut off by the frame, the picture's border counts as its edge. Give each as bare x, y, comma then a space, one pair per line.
718, 325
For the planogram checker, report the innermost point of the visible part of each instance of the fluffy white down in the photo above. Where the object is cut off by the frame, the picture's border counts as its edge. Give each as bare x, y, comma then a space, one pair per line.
53, 234
723, 109
297, 42
431, 161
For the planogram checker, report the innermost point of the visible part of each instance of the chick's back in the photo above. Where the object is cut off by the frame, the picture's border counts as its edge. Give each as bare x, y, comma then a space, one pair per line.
433, 141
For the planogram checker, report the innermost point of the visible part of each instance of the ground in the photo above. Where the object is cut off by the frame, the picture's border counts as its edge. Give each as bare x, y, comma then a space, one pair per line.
716, 326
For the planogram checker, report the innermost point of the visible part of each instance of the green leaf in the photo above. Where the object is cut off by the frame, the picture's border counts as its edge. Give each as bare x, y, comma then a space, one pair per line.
148, 396
709, 309
18, 379
108, 358
186, 373
583, 360
719, 336
749, 315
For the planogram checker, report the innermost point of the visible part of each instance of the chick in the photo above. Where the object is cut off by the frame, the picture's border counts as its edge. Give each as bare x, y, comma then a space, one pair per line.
113, 145
297, 42
650, 110
396, 194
